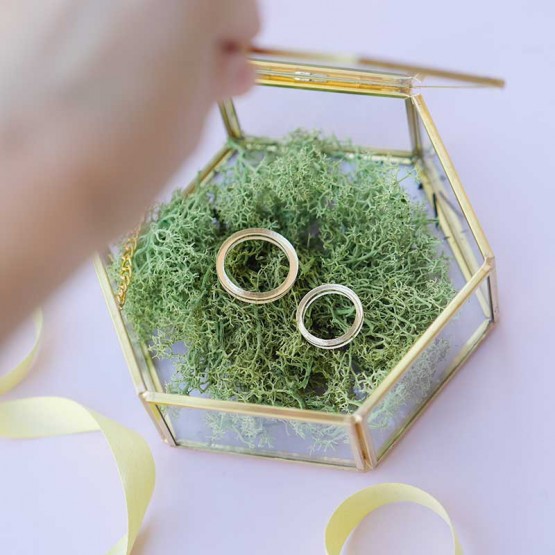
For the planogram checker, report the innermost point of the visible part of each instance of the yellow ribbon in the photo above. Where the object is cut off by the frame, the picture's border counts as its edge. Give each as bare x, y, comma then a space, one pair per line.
54, 416
353, 510
11, 379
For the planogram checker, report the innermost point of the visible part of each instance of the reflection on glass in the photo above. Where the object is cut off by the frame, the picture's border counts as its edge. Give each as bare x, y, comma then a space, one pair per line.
430, 370
259, 435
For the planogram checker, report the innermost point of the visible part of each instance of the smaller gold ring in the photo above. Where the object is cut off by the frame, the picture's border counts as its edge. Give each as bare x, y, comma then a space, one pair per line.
257, 234
330, 289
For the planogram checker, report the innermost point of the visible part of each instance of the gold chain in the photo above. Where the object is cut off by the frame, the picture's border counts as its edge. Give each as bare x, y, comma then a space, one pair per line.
126, 268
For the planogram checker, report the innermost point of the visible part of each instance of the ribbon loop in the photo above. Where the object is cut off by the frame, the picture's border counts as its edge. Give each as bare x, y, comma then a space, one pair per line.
54, 416
353, 510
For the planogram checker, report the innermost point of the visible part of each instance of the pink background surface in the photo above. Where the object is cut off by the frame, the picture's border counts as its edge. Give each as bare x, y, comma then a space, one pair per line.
484, 448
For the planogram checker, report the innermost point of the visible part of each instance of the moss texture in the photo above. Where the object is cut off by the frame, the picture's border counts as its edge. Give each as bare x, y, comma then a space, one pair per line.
350, 221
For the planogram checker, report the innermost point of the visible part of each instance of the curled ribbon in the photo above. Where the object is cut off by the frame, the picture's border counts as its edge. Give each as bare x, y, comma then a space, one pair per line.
353, 510
13, 377
54, 416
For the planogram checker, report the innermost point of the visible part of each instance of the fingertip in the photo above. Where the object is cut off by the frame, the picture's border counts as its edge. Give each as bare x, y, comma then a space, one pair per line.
245, 78
238, 75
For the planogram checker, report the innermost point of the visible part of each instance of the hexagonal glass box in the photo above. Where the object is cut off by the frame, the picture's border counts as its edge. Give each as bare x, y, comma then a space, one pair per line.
375, 105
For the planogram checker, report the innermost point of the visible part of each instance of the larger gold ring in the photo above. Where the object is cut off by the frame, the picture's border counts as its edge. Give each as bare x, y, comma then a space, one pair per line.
257, 234
320, 291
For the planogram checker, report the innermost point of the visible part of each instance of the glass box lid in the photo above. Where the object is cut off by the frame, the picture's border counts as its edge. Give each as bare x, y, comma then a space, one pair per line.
282, 67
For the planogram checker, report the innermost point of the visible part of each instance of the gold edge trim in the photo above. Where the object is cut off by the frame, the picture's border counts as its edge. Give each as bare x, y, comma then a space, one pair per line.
334, 87
366, 442
392, 65
144, 363
414, 130
121, 331
425, 339
339, 465
208, 170
166, 426
230, 119
485, 328
164, 429
248, 409
485, 81
356, 446
312, 74
152, 373
306, 71
494, 292
453, 176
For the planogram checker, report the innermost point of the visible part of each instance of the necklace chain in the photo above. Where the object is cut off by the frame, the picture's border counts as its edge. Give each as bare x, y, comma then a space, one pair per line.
126, 267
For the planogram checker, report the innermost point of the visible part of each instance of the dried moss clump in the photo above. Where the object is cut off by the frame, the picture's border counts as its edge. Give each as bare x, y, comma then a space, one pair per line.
351, 223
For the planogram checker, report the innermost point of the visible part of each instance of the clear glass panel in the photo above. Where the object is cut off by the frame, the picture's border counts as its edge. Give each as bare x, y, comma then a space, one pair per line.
430, 370
256, 435
376, 122
414, 182
369, 121
446, 205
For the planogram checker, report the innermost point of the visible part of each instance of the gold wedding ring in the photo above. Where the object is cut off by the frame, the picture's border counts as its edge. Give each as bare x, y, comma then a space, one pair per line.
257, 234
320, 291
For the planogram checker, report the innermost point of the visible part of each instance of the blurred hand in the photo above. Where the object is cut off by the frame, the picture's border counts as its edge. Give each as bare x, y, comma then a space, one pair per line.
116, 91
100, 102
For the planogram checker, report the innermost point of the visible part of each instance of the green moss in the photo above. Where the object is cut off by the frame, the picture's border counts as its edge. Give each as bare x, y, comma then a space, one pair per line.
350, 221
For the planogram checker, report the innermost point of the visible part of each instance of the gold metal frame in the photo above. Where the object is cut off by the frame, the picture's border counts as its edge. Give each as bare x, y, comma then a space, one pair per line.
316, 72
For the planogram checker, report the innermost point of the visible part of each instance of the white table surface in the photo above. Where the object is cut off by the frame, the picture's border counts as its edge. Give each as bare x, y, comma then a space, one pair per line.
485, 446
